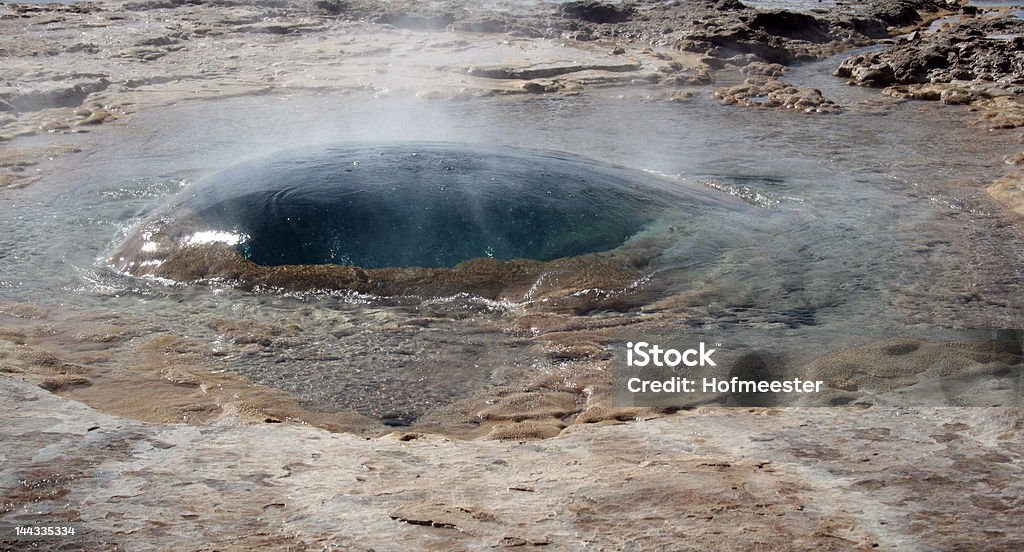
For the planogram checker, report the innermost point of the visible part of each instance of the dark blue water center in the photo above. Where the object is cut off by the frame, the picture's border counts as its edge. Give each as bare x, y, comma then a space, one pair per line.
424, 205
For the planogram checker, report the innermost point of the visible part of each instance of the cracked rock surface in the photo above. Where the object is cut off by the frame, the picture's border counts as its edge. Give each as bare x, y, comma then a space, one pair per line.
724, 479
250, 473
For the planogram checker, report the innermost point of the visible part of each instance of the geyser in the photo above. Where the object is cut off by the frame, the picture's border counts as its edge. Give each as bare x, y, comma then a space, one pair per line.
411, 219
423, 206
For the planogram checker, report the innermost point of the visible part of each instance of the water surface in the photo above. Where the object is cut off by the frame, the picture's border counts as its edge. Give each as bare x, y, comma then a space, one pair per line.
871, 221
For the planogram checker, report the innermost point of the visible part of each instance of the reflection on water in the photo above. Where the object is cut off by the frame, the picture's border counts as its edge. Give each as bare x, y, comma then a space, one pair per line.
871, 219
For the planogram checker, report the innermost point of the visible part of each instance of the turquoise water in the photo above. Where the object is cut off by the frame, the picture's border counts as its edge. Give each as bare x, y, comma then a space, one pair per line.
425, 205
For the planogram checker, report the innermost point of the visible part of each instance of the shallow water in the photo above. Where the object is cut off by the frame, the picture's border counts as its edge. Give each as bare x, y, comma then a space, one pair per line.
868, 222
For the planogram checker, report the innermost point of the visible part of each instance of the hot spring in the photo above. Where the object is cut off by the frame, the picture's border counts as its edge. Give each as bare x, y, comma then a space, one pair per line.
421, 267
419, 206
454, 217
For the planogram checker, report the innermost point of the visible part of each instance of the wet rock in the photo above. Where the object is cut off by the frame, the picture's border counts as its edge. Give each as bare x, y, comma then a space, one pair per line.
525, 431
683, 79
27, 311
64, 94
681, 96
484, 277
900, 13
904, 362
761, 91
581, 36
1009, 190
764, 69
791, 25
866, 72
332, 7
97, 117
605, 413
418, 20
181, 377
88, 48
534, 87
63, 382
148, 53
964, 51
246, 333
596, 12
869, 27
925, 92
27, 157
1002, 112
525, 406
484, 24
246, 413
77, 8
957, 96
280, 27
544, 72
947, 94
162, 40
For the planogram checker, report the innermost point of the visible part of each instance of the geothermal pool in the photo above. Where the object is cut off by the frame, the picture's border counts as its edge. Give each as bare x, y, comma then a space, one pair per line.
414, 205
794, 231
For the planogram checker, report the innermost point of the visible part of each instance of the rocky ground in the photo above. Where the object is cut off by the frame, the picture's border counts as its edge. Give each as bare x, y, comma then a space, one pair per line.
237, 479
119, 57
815, 479
975, 60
